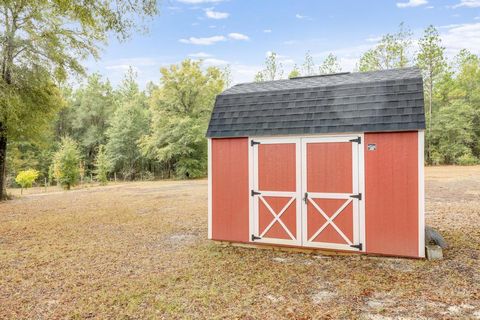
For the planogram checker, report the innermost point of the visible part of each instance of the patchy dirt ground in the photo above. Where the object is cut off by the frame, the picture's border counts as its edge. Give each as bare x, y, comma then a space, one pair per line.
137, 251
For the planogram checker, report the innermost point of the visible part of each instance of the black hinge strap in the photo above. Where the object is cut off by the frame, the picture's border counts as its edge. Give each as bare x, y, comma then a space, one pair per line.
357, 140
252, 143
356, 196
254, 193
358, 246
258, 238
306, 197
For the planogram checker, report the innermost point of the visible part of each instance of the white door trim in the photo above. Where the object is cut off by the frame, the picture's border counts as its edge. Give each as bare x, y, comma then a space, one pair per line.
301, 185
421, 194
358, 187
210, 231
296, 195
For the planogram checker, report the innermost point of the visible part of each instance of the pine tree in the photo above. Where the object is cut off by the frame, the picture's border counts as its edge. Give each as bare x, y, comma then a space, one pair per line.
102, 165
66, 163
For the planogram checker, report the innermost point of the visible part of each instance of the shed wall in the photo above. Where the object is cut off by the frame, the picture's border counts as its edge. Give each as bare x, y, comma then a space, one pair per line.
391, 194
230, 202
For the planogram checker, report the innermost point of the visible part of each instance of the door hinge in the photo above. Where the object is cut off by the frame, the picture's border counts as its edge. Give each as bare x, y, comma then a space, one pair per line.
356, 196
357, 140
254, 193
254, 237
306, 198
252, 143
358, 246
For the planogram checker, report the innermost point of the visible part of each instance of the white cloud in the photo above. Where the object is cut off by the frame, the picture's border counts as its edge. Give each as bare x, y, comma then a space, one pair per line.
203, 41
477, 18
468, 4
216, 14
243, 72
267, 30
299, 16
199, 1
411, 3
238, 36
200, 55
457, 37
429, 7
214, 62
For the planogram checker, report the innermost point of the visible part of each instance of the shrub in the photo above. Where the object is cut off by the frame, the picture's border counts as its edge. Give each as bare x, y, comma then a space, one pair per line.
467, 159
66, 163
26, 178
102, 165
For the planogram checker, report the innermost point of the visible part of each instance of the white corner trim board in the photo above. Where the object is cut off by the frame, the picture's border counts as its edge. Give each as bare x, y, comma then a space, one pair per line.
421, 194
209, 188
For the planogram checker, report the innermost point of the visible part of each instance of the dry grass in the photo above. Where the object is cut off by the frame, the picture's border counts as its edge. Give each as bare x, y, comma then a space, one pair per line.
137, 251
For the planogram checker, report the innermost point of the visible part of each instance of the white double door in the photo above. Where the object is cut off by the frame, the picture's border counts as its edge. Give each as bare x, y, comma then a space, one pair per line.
306, 192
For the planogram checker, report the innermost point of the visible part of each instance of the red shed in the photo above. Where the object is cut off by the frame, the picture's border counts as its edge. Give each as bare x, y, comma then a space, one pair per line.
331, 161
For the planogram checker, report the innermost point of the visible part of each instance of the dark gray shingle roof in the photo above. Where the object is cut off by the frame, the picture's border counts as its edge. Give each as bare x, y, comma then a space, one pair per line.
387, 100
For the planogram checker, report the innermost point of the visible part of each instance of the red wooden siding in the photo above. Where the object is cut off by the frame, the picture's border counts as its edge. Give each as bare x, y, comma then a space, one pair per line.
277, 167
230, 203
329, 167
391, 195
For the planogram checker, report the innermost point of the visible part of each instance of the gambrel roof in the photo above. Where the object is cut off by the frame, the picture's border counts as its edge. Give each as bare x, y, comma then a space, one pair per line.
387, 100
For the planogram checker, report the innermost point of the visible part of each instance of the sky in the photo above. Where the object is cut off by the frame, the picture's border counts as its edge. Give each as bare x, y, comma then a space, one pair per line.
241, 33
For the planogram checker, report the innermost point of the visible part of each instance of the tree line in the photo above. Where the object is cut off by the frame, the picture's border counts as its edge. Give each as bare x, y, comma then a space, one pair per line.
451, 88
97, 132
127, 132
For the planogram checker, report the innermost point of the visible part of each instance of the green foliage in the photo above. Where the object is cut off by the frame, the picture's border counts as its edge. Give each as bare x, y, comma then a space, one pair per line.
294, 73
273, 69
66, 163
26, 178
180, 109
330, 65
42, 41
88, 116
102, 165
452, 134
390, 52
128, 124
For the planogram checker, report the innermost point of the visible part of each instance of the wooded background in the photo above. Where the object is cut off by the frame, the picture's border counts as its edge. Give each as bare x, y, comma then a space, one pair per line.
94, 131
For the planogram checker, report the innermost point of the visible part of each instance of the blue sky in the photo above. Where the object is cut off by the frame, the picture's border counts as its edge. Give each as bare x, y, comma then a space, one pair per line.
240, 33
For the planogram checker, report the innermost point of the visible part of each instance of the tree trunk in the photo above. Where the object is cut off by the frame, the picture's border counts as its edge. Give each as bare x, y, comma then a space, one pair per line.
3, 162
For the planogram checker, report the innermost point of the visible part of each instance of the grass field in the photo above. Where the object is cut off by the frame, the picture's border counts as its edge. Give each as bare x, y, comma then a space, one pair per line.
138, 251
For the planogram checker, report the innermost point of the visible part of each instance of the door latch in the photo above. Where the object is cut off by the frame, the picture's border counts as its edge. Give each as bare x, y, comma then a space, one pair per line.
306, 198
356, 196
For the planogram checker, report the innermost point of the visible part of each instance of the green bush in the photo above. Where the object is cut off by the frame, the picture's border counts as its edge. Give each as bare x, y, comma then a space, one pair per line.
102, 165
26, 178
467, 159
66, 163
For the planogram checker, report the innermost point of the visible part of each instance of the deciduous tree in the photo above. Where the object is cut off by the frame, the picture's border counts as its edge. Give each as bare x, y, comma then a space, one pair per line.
273, 69
390, 52
330, 65
41, 42
66, 163
128, 124
181, 106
